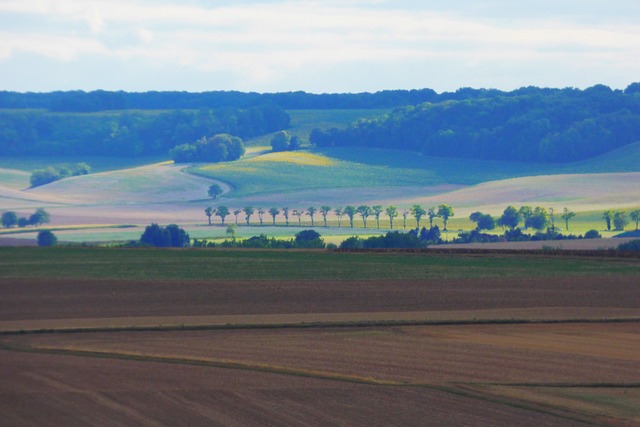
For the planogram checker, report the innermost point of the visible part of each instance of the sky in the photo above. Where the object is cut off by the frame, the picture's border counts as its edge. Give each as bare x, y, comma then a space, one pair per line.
325, 46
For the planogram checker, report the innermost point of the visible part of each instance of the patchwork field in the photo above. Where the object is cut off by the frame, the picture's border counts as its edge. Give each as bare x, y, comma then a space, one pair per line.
317, 338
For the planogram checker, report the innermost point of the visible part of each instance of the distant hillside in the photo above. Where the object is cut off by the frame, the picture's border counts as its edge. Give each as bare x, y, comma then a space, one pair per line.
527, 125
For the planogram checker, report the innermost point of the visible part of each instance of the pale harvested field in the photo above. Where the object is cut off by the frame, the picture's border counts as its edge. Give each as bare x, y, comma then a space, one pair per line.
581, 192
147, 184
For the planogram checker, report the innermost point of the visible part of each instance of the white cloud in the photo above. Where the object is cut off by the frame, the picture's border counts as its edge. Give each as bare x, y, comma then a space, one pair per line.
266, 41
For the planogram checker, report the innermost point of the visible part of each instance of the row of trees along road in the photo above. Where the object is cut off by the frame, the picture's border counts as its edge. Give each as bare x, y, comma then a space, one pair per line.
351, 212
538, 218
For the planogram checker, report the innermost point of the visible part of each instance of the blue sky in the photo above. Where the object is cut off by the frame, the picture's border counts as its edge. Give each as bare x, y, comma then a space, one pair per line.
316, 46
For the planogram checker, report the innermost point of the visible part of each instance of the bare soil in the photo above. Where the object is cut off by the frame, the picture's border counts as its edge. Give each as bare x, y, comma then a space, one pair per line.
44, 389
488, 374
50, 299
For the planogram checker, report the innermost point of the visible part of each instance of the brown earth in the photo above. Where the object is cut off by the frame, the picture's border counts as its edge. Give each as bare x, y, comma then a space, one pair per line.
50, 299
489, 374
433, 355
44, 389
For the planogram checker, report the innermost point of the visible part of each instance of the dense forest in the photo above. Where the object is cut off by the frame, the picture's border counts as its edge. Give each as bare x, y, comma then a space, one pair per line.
83, 102
529, 124
128, 133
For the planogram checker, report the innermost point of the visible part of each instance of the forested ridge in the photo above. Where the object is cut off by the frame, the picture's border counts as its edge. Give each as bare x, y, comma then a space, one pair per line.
529, 125
83, 102
128, 133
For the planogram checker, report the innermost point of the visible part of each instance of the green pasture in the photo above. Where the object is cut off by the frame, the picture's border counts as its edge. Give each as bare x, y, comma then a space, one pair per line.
304, 121
357, 167
203, 264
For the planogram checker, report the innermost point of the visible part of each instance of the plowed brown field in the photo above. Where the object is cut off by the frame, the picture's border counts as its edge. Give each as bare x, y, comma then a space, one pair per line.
298, 352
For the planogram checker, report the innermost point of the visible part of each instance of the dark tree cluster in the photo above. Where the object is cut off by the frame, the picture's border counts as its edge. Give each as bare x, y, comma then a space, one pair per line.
527, 125
305, 239
129, 133
165, 237
39, 217
218, 148
50, 174
283, 141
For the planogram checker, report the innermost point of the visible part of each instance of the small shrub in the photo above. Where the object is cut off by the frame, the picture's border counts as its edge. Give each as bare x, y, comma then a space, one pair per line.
592, 234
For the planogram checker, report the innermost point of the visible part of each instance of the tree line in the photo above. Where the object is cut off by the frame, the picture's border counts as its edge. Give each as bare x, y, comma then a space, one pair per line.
525, 125
80, 101
11, 219
536, 218
128, 133
348, 212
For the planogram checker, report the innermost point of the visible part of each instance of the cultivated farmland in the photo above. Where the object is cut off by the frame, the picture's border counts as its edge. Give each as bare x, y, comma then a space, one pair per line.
317, 338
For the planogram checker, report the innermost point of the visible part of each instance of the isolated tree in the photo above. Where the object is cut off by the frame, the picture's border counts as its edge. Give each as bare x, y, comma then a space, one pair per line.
567, 215
405, 214
432, 213
298, 213
608, 217
311, 211
281, 141
324, 210
39, 217
365, 212
237, 212
178, 237
274, 213
214, 191
260, 213
418, 212
525, 213
308, 239
483, 221
377, 210
23, 222
510, 218
47, 238
9, 219
248, 211
231, 231
209, 212
285, 212
538, 219
391, 212
222, 212
339, 213
620, 220
552, 219
445, 212
635, 216
350, 211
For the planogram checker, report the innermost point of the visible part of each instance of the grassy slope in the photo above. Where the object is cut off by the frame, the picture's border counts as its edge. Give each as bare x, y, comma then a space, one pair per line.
354, 168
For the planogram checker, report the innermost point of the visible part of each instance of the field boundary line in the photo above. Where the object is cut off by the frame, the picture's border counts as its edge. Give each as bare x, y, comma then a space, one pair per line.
312, 325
